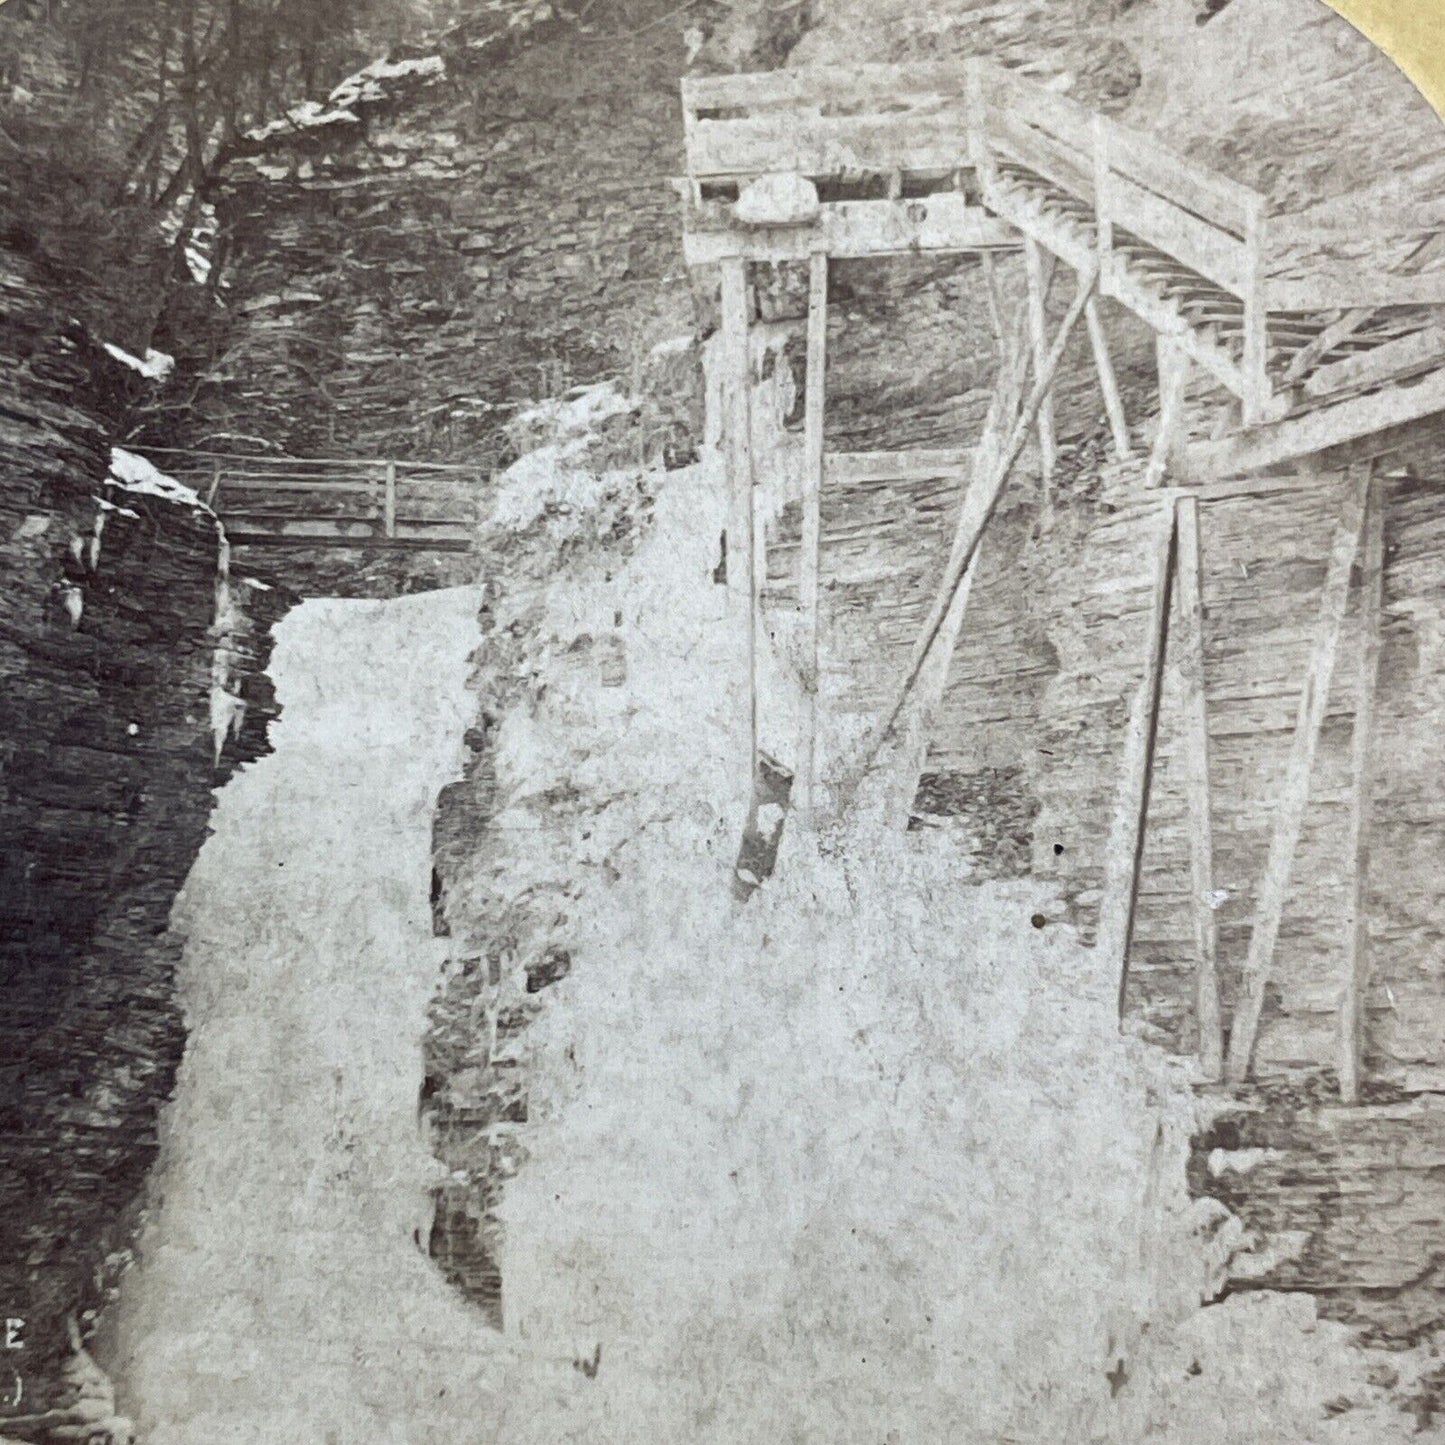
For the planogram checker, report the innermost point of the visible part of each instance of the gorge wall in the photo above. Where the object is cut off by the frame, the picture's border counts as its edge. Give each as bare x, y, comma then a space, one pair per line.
119, 635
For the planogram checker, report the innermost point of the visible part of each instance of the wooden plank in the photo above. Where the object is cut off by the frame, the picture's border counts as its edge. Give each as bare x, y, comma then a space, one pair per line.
270, 485
942, 222
813, 412
823, 146
1379, 363
255, 528
1343, 288
835, 85
1294, 795
851, 468
1196, 763
359, 465
1203, 248
1039, 346
989, 494
1317, 430
1108, 382
1357, 931
1124, 850
1203, 193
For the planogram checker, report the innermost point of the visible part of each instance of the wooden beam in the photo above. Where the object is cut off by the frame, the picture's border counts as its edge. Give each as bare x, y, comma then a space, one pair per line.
995, 296
1039, 343
1108, 382
815, 381
1124, 850
1255, 361
851, 468
1357, 939
941, 223
1343, 288
389, 499
1294, 795
737, 439
1316, 430
989, 495
1164, 456
1197, 785
1414, 352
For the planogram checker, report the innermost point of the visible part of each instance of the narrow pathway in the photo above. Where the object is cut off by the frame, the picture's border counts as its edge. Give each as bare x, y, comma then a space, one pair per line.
279, 1295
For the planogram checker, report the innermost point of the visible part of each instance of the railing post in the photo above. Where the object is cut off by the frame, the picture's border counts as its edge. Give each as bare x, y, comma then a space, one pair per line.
1256, 318
389, 500
1103, 225
977, 110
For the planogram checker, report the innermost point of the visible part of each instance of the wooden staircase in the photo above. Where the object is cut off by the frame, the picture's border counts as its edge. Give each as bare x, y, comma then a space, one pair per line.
974, 157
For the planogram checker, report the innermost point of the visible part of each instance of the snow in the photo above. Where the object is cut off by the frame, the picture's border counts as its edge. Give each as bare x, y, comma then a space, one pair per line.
573, 416
308, 115
551, 480
154, 366
135, 474
367, 84
279, 1294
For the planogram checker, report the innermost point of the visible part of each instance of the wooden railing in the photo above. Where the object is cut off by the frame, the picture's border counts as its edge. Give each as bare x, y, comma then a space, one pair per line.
1136, 184
349, 498
829, 122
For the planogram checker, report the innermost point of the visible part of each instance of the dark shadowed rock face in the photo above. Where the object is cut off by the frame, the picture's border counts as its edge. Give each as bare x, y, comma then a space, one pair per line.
107, 642
490, 234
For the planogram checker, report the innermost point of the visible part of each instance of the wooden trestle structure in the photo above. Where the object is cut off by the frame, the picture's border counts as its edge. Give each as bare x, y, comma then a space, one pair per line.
1322, 366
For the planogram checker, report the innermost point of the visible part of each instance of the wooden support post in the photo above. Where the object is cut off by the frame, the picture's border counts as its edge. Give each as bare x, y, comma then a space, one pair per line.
215, 488
389, 501
1124, 851
989, 494
1255, 361
980, 152
1290, 806
1357, 936
737, 441
1169, 444
995, 296
1108, 382
1196, 758
813, 411
1103, 222
1038, 340
736, 424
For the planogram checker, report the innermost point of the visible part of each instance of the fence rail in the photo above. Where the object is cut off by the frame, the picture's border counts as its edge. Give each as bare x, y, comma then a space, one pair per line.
338, 501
